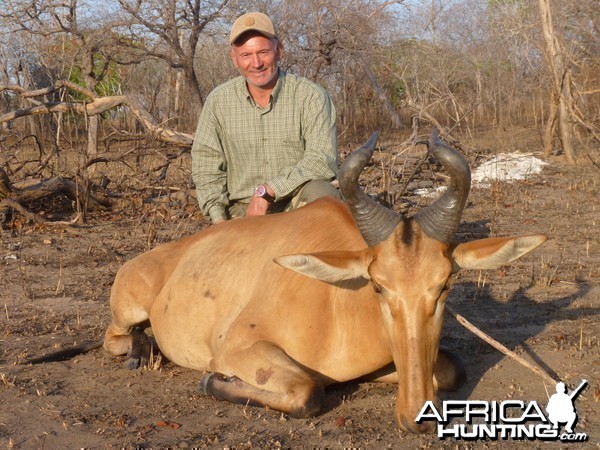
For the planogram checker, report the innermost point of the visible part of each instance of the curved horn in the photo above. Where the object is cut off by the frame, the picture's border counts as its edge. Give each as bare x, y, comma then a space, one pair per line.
374, 221
440, 220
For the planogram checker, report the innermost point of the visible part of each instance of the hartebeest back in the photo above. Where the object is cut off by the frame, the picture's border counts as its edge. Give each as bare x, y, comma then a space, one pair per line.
275, 308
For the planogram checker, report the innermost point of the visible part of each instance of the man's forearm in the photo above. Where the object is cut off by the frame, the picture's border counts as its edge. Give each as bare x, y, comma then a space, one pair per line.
312, 167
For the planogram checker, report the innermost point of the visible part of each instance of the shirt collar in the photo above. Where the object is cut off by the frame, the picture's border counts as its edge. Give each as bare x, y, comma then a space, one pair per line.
278, 87
244, 94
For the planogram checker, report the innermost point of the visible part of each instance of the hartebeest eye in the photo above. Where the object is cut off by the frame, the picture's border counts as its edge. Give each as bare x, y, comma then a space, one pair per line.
446, 287
376, 287
449, 283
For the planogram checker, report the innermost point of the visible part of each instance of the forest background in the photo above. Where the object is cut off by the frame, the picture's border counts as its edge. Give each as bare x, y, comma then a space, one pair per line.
85, 84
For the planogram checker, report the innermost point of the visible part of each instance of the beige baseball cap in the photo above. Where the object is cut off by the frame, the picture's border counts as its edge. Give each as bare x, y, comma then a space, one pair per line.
254, 21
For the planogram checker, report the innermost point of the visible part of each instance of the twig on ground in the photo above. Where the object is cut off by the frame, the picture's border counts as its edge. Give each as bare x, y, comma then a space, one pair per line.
592, 160
498, 346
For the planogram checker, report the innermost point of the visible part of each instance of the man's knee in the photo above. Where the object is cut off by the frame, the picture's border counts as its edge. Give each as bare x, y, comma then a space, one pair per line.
313, 190
237, 210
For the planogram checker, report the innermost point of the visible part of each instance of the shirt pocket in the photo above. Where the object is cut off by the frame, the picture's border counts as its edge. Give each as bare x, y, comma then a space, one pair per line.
287, 151
241, 149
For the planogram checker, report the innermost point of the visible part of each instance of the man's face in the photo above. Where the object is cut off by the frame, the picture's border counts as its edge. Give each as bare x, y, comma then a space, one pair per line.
256, 58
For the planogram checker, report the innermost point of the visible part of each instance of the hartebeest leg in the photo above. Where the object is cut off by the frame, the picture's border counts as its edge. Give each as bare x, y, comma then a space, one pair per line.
272, 379
118, 340
141, 348
136, 344
125, 335
449, 372
135, 288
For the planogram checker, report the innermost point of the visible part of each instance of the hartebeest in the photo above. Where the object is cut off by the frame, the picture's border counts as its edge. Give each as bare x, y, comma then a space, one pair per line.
275, 308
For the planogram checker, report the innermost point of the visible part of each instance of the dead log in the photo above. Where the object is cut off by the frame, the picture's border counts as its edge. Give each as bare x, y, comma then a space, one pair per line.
19, 200
57, 186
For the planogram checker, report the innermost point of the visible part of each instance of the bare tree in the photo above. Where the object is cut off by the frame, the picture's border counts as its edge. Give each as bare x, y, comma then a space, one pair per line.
47, 20
334, 42
171, 31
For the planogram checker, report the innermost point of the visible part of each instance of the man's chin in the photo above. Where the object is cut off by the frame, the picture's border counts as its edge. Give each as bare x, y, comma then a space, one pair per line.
262, 82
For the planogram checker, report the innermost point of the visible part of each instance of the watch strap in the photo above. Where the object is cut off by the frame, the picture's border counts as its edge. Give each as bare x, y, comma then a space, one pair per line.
262, 192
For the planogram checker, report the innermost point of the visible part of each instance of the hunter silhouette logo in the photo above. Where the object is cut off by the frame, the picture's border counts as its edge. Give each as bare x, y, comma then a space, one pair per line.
508, 419
561, 407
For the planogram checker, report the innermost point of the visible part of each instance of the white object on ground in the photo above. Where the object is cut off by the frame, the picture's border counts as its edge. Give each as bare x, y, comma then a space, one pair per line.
505, 167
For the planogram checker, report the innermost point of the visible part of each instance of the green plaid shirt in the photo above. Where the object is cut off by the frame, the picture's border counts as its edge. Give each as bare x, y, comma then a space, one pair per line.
238, 145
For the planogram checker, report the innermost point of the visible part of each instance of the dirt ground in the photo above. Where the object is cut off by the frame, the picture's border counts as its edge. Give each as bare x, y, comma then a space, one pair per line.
55, 284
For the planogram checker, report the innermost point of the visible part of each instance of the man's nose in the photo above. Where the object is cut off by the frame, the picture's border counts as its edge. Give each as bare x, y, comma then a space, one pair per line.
256, 61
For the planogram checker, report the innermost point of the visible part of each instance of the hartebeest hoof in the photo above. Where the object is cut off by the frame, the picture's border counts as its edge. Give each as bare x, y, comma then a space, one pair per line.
449, 371
141, 349
204, 381
202, 385
417, 428
207, 380
300, 402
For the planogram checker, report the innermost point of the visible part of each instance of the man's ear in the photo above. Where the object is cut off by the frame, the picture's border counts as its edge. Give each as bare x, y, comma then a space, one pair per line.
491, 253
331, 267
279, 50
233, 56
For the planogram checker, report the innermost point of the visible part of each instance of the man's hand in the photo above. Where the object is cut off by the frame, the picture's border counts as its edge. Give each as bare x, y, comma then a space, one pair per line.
257, 207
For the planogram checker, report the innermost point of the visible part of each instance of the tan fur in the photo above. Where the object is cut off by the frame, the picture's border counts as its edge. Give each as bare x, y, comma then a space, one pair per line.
218, 302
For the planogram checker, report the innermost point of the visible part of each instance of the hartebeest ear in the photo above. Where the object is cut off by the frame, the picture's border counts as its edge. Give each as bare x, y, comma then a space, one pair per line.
493, 252
330, 267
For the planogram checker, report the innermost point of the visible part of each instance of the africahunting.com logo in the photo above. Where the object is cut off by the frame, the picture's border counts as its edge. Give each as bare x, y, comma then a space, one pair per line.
509, 419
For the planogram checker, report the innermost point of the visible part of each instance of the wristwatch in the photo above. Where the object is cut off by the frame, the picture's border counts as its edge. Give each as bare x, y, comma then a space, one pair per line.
261, 191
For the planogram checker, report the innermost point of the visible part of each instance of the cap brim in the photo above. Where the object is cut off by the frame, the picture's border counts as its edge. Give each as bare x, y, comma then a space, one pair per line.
233, 39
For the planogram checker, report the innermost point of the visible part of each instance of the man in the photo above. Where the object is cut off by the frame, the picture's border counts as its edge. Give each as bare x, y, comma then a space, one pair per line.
266, 141
561, 408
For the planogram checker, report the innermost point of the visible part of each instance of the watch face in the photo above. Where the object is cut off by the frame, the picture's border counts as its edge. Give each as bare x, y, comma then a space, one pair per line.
260, 191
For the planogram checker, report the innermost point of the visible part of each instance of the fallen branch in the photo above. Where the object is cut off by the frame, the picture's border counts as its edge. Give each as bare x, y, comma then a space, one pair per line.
64, 223
17, 199
31, 217
498, 346
159, 132
592, 160
92, 106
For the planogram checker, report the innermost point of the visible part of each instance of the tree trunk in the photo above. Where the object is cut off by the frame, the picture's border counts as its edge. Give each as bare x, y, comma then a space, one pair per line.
177, 86
92, 141
387, 105
550, 128
193, 100
561, 85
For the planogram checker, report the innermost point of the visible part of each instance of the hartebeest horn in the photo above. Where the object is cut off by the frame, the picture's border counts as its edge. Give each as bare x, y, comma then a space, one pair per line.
440, 220
374, 221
